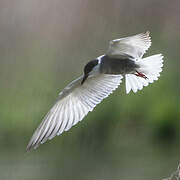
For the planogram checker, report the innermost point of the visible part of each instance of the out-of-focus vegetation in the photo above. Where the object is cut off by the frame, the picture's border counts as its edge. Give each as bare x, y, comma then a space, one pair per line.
43, 46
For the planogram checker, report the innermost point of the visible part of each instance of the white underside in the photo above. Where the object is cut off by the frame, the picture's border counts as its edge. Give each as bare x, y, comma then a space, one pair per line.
151, 67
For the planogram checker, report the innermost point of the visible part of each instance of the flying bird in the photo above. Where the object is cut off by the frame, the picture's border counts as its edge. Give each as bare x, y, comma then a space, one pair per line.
124, 58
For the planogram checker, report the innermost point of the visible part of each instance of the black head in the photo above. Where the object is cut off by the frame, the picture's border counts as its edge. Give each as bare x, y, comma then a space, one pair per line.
88, 68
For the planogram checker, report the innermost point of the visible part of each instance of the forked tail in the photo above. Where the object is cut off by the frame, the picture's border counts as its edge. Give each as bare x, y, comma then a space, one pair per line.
150, 67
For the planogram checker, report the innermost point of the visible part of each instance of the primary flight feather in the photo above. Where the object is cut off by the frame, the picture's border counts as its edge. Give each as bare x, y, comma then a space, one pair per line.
101, 77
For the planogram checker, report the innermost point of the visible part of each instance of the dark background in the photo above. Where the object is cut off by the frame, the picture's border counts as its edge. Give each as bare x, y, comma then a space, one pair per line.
43, 46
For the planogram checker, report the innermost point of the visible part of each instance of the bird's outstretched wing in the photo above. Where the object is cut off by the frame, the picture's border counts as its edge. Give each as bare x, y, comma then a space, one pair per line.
73, 103
134, 46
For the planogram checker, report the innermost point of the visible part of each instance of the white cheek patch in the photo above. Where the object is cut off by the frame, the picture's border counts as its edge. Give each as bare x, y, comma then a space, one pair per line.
100, 58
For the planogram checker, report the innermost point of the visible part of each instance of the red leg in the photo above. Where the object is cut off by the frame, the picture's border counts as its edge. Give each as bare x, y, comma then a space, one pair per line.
140, 75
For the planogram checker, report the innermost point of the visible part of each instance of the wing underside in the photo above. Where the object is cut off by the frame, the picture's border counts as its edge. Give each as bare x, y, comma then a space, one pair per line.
134, 46
73, 104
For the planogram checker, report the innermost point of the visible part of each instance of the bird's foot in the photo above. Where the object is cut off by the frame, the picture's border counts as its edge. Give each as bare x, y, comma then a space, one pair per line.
140, 75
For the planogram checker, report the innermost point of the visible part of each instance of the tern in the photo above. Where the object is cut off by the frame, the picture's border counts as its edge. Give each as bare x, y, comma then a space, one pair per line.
124, 58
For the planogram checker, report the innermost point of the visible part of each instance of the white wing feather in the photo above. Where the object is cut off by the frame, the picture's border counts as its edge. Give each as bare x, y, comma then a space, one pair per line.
151, 67
73, 104
134, 46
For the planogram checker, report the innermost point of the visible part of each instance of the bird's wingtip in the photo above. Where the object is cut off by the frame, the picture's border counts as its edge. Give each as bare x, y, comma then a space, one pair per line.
29, 148
147, 33
31, 145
